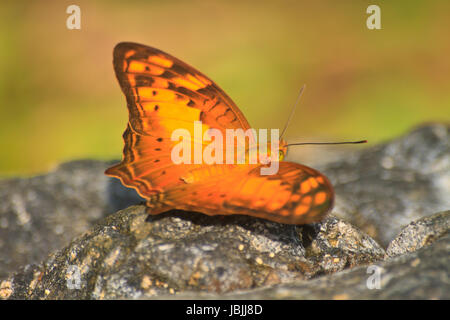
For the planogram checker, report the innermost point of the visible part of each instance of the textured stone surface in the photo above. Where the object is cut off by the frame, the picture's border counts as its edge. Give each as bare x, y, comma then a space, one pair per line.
420, 233
41, 214
379, 190
423, 274
383, 188
127, 256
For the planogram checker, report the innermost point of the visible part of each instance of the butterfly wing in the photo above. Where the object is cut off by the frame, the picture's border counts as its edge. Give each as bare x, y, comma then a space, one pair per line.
164, 94
296, 194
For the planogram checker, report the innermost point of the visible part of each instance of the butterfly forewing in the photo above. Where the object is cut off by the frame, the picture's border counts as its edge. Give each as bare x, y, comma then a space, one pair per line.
161, 87
164, 94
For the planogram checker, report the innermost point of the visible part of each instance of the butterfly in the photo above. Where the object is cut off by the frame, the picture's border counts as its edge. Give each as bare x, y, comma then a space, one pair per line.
163, 94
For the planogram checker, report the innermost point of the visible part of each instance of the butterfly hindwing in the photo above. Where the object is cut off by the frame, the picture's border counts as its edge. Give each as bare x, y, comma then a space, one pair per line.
296, 194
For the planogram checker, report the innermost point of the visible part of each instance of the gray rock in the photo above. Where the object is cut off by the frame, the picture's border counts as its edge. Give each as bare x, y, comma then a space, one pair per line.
420, 233
383, 188
41, 214
126, 256
419, 275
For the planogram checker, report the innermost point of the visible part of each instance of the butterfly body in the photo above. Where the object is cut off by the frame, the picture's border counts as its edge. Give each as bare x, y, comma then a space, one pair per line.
165, 94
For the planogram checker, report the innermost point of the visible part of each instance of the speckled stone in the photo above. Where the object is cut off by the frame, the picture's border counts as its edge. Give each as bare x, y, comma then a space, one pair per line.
129, 256
43, 213
383, 188
420, 233
422, 274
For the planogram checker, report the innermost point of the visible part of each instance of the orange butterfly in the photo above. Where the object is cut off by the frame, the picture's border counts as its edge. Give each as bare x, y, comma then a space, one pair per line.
163, 94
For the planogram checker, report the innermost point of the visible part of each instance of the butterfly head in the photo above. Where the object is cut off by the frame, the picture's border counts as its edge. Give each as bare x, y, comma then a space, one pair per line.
282, 149
278, 146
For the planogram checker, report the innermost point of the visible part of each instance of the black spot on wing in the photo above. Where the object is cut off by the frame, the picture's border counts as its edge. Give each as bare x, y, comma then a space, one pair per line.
179, 69
143, 81
168, 75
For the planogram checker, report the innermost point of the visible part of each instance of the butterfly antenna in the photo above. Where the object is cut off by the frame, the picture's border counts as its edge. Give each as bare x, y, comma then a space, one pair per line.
292, 111
345, 142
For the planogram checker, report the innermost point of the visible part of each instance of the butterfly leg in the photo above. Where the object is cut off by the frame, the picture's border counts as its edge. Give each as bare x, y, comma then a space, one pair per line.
295, 235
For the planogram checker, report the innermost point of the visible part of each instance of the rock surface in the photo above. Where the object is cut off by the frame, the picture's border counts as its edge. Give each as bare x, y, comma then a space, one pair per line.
41, 214
96, 253
422, 274
420, 233
127, 256
383, 188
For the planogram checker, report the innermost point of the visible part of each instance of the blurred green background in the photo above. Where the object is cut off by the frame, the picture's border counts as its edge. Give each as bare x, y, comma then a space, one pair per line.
59, 99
